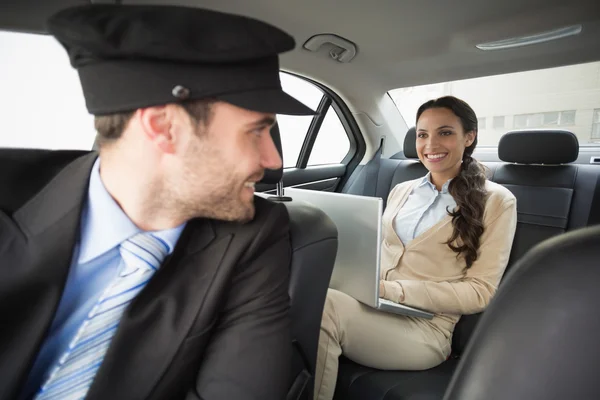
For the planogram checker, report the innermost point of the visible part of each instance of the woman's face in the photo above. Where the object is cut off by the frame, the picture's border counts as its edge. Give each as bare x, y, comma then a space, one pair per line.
441, 142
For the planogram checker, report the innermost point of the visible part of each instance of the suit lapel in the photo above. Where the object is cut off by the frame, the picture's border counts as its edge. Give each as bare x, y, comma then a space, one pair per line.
36, 265
180, 301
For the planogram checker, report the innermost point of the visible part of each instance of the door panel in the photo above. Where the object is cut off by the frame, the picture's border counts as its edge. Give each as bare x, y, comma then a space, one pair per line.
321, 177
326, 185
320, 150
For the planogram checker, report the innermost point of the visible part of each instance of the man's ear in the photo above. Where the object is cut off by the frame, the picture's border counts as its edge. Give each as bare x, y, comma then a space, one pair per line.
157, 126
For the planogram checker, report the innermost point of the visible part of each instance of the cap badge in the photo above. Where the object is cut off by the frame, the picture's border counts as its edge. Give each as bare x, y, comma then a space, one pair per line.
181, 92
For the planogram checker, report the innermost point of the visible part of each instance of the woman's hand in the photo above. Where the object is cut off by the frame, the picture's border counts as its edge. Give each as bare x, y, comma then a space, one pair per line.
394, 291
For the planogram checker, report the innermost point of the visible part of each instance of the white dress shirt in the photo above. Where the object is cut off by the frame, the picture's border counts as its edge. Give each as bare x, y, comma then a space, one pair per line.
425, 207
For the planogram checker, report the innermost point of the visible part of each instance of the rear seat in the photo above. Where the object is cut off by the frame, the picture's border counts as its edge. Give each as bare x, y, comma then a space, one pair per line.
551, 199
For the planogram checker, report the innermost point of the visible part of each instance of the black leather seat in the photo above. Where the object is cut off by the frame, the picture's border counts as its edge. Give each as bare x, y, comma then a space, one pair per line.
537, 170
553, 196
50, 162
314, 248
538, 339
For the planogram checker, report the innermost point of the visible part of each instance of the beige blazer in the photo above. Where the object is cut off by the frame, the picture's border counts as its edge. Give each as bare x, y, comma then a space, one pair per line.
427, 274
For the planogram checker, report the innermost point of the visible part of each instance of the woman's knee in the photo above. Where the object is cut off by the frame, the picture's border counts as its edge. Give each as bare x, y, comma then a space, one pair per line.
338, 306
329, 314
336, 302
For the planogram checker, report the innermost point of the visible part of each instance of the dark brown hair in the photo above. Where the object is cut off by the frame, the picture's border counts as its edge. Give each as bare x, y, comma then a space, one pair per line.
111, 127
468, 188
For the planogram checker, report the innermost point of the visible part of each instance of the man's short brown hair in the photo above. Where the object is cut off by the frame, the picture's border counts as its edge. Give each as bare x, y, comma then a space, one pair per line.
111, 127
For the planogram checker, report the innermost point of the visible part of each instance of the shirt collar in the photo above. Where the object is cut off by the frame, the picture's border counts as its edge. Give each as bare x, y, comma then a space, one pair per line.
169, 237
105, 225
426, 181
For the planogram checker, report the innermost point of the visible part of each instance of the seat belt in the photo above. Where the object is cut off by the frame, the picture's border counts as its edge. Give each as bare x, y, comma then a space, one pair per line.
594, 218
371, 171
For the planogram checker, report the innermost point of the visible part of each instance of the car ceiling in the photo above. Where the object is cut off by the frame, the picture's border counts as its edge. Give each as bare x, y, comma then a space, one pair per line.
400, 43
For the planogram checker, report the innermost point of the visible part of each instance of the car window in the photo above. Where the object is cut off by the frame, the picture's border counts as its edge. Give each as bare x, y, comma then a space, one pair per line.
43, 104
555, 98
294, 128
331, 144
41, 99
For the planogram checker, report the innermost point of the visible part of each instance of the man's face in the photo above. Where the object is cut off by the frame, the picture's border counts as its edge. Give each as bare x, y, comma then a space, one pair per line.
222, 161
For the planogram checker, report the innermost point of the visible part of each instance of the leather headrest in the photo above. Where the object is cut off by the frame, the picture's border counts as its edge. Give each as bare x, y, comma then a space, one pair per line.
273, 176
410, 143
538, 147
538, 338
30, 170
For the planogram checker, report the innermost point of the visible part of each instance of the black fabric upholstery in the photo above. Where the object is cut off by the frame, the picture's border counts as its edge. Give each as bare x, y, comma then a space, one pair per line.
539, 337
584, 194
361, 383
19, 161
314, 248
273, 176
544, 195
314, 245
551, 200
409, 150
410, 144
398, 156
387, 168
392, 172
538, 147
594, 218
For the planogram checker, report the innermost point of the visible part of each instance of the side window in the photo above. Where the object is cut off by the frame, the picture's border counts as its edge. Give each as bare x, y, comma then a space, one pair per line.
43, 105
331, 143
41, 99
294, 128
562, 97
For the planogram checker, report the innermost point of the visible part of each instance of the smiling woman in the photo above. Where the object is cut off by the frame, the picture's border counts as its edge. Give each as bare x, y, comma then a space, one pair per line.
446, 242
446, 139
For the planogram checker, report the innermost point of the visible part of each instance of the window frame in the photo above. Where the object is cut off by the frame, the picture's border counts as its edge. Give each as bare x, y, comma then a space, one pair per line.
313, 131
357, 145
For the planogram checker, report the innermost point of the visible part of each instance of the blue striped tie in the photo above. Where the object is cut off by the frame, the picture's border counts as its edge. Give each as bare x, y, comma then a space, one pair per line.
71, 378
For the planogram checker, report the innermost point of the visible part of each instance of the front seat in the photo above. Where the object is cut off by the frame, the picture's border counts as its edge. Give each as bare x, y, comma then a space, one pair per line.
314, 248
538, 339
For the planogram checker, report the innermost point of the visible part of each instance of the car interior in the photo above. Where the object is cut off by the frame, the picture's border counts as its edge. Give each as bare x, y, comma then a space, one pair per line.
531, 71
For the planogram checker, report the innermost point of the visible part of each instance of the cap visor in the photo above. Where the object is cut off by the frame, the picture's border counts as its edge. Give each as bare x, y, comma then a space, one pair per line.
273, 101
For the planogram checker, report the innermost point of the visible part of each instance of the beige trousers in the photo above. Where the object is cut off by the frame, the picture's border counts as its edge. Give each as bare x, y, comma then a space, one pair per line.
374, 339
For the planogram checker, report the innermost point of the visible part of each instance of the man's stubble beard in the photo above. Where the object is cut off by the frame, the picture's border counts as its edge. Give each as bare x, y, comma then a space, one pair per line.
208, 188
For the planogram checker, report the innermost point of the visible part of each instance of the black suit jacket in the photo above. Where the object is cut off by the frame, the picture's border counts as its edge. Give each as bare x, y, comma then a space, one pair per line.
213, 323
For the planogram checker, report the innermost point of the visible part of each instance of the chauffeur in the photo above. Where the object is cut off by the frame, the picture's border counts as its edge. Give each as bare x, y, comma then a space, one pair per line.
150, 270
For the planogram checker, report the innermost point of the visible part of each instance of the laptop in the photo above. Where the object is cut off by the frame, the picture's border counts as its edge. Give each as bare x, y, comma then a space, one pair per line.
357, 266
